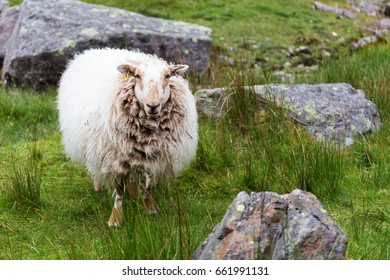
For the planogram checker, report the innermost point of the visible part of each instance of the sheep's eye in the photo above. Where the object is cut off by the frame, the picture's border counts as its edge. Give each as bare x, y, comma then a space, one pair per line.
167, 76
137, 76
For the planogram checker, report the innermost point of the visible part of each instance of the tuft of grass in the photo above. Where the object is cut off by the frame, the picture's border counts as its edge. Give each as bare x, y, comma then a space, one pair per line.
22, 188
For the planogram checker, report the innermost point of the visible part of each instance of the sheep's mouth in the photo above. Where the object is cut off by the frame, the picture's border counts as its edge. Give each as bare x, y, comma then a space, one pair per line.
153, 114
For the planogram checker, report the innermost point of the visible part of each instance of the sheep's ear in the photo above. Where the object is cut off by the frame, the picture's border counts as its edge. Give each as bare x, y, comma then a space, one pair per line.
126, 69
178, 69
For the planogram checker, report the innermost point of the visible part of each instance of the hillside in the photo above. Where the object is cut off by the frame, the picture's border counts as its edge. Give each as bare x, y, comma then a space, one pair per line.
48, 209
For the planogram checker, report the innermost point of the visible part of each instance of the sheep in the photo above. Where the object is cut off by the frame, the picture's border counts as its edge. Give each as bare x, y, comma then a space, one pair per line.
130, 118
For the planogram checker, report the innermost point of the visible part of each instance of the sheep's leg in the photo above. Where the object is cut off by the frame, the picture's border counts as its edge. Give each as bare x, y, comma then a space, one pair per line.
149, 204
133, 191
98, 187
116, 218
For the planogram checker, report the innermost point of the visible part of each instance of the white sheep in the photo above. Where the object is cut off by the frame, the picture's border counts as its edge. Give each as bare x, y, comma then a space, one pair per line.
130, 118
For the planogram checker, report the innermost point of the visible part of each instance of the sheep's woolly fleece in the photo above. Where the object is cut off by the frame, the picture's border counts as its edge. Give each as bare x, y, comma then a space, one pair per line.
104, 128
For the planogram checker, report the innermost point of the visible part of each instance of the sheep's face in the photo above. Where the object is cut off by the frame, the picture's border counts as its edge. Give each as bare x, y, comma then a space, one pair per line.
152, 88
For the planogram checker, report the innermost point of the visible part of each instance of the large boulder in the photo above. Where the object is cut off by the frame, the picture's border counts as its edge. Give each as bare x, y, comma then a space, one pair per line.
8, 18
267, 226
332, 112
48, 33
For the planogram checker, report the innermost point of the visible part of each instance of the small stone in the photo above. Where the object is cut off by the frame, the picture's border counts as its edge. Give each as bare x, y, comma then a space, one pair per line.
304, 50
326, 53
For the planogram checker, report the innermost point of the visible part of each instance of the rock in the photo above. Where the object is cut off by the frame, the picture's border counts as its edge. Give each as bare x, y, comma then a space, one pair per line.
49, 33
378, 32
326, 8
362, 42
267, 225
332, 112
369, 8
3, 5
326, 53
303, 50
7, 23
384, 23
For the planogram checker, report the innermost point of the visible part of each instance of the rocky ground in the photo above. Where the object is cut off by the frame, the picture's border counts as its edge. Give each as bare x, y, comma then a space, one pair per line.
285, 62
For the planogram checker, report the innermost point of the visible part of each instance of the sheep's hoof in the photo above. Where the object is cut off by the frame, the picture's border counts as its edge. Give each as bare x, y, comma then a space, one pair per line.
98, 187
116, 218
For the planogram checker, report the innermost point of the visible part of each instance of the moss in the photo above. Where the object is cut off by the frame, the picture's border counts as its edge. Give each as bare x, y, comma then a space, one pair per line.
91, 32
70, 43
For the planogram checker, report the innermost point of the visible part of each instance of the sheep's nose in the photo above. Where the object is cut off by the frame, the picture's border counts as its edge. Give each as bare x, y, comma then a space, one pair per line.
153, 107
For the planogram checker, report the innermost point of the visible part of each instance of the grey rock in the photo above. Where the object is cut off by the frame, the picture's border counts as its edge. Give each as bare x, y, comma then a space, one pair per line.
7, 23
326, 53
325, 8
384, 23
331, 112
49, 33
362, 42
267, 225
369, 8
3, 5
378, 32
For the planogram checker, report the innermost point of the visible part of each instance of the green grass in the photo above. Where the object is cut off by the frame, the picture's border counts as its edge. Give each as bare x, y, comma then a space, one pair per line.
247, 150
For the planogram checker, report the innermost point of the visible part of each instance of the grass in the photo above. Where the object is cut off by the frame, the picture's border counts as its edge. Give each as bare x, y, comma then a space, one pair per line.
249, 149
23, 187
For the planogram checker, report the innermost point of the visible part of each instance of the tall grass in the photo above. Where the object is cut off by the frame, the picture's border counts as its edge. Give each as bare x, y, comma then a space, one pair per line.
22, 187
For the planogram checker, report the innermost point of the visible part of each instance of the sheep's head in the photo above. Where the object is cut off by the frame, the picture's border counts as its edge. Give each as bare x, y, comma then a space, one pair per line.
152, 88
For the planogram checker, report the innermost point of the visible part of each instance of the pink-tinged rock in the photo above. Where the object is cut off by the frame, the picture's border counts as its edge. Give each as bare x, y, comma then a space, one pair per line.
267, 225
